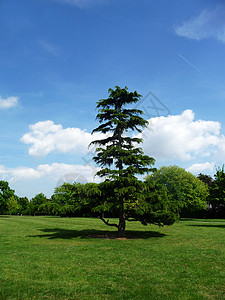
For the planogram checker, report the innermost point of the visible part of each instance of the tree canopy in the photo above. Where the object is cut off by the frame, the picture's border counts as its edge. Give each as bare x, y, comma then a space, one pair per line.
5, 193
184, 191
217, 193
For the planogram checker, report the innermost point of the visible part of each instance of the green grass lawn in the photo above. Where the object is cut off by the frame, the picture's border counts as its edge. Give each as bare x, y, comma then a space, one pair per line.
65, 258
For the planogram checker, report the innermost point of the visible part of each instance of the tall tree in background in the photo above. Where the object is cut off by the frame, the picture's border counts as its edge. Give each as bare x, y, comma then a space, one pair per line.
118, 153
206, 179
217, 193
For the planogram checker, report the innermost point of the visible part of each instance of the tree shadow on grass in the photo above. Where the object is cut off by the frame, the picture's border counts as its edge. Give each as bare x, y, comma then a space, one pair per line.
58, 233
208, 225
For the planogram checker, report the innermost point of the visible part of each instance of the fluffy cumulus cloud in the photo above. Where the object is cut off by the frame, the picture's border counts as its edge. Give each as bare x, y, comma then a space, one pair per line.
23, 173
59, 172
207, 167
68, 173
209, 23
180, 137
31, 181
220, 152
45, 137
9, 102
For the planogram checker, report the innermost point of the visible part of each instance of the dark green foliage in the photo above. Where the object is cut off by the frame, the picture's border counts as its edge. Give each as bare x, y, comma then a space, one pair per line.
216, 198
23, 203
206, 179
68, 194
158, 202
118, 149
75, 199
122, 160
36, 202
217, 194
49, 208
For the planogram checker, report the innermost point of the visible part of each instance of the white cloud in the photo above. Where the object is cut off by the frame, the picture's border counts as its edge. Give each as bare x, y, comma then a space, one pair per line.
2, 169
62, 170
23, 173
198, 168
46, 137
173, 137
207, 24
30, 181
180, 137
9, 102
55, 172
220, 153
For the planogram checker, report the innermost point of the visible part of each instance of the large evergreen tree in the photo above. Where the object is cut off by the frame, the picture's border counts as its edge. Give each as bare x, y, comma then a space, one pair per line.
121, 158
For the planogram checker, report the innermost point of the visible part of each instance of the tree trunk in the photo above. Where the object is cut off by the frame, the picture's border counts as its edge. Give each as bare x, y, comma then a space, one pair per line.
122, 221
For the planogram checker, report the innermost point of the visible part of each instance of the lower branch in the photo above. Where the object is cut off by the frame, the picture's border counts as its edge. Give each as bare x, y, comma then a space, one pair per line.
107, 222
131, 219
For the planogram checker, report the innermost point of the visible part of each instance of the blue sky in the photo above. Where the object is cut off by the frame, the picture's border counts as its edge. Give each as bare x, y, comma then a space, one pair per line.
58, 57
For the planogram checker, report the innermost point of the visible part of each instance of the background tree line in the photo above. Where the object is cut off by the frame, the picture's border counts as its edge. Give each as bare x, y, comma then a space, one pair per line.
167, 190
163, 197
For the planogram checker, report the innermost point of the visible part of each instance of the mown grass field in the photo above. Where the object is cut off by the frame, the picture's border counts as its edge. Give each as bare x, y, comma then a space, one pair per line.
63, 258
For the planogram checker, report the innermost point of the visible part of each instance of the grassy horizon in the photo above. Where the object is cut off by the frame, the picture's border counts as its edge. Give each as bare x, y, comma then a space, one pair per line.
72, 258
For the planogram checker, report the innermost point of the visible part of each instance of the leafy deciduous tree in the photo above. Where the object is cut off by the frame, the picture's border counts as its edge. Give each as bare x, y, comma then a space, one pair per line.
23, 205
185, 191
5, 193
36, 202
76, 199
12, 204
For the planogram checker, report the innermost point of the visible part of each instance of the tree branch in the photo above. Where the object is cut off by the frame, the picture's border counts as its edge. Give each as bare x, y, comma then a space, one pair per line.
107, 222
131, 220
